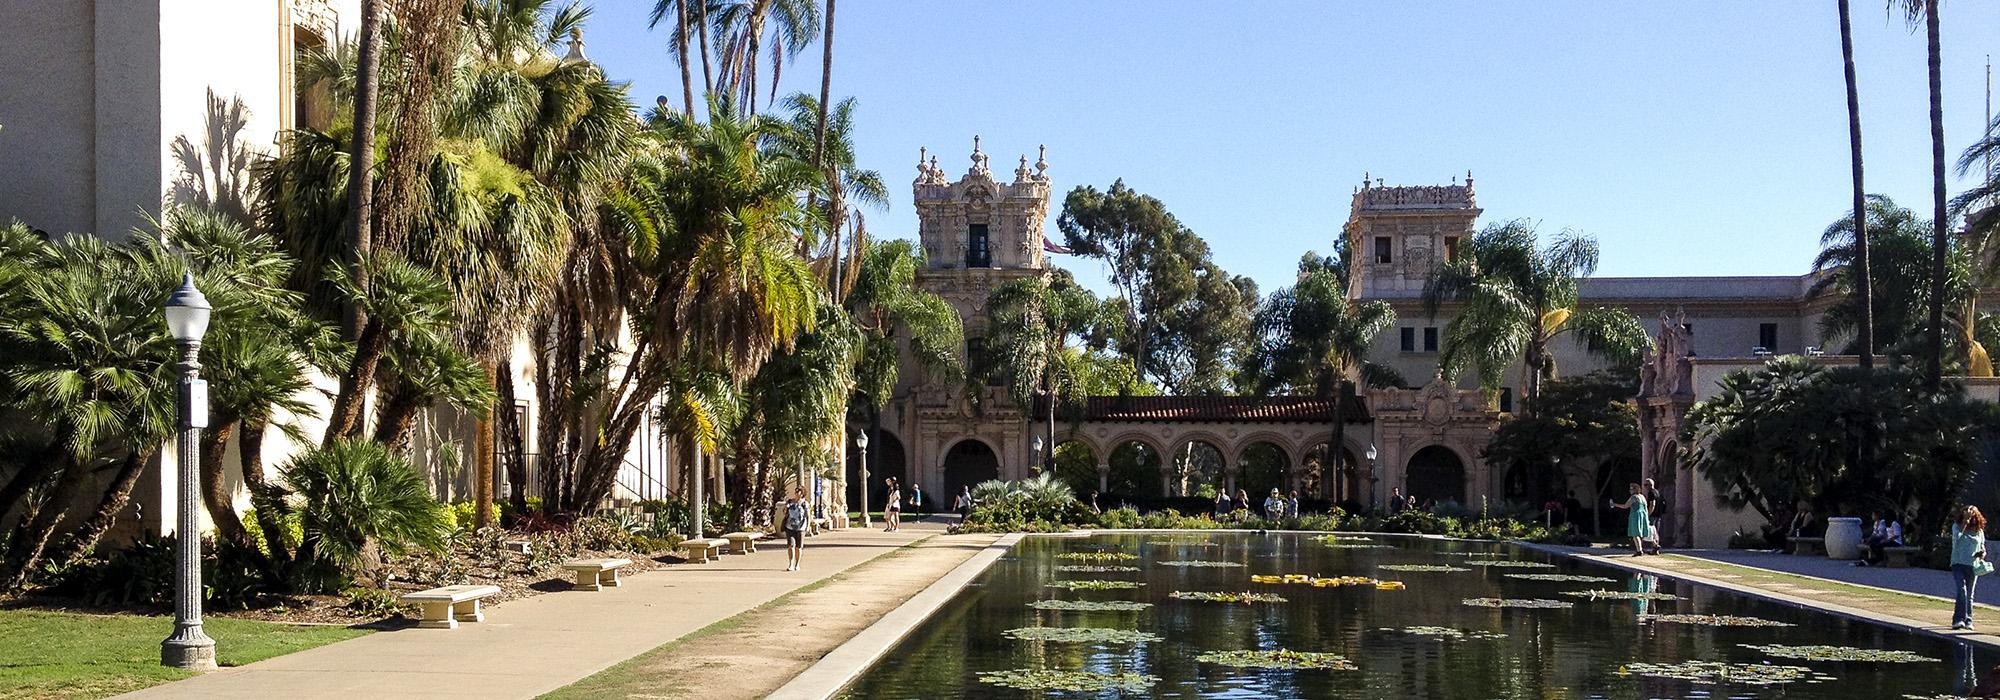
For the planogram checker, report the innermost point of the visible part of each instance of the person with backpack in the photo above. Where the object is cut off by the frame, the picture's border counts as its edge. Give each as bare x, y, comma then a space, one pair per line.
795, 529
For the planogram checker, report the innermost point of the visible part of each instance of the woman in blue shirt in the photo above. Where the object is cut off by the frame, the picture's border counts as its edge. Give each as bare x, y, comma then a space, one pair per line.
1968, 543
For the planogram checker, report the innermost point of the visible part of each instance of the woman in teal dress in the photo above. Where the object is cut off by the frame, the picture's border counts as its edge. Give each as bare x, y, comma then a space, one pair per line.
1637, 523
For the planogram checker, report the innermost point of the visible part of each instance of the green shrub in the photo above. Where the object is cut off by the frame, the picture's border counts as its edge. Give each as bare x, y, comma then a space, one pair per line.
354, 493
143, 574
1173, 520
372, 602
293, 531
459, 516
1417, 522
1126, 518
602, 534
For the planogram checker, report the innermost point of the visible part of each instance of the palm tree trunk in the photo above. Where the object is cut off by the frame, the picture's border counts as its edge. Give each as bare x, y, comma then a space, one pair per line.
1861, 268
345, 418
515, 456
482, 460
687, 77
215, 492
396, 422
32, 538
360, 190
115, 498
825, 91
701, 27
15, 493
1335, 455
1940, 225
264, 499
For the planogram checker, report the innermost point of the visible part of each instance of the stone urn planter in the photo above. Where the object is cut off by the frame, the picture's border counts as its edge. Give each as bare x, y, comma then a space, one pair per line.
1843, 538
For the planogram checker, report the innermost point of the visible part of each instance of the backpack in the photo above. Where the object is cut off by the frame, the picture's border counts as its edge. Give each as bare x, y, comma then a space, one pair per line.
795, 517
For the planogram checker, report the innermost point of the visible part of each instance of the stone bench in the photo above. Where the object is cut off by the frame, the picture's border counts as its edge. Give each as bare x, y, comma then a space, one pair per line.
1809, 546
743, 542
594, 574
1897, 557
703, 550
444, 607
818, 524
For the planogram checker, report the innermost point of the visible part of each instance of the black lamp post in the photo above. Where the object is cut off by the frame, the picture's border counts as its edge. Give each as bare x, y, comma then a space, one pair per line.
861, 443
188, 647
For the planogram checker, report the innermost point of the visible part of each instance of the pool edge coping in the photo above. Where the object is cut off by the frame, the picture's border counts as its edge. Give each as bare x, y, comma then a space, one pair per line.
840, 667
1897, 622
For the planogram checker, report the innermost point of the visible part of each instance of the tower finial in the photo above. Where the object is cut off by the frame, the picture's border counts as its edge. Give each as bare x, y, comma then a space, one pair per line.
1042, 162
1021, 172
1365, 177
978, 157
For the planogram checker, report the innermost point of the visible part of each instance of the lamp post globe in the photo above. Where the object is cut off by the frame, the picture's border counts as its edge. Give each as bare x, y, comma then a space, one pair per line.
188, 647
861, 444
1036, 467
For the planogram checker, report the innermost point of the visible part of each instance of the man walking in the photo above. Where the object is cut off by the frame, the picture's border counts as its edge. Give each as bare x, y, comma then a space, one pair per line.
1657, 507
795, 529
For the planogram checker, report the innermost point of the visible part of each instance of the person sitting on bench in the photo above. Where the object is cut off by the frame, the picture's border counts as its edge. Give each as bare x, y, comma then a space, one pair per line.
1886, 533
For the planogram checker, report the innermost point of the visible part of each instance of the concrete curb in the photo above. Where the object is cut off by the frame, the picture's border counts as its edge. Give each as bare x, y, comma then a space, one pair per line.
1905, 624
846, 662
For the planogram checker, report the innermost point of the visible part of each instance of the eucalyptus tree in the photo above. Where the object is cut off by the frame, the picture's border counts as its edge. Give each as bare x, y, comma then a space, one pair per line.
789, 26
1312, 338
1511, 300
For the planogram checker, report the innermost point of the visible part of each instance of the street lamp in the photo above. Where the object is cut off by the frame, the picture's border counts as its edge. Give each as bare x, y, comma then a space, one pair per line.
1037, 468
861, 443
1372, 481
188, 647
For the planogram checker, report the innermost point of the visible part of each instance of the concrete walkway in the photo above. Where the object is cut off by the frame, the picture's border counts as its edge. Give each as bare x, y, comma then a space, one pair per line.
535, 645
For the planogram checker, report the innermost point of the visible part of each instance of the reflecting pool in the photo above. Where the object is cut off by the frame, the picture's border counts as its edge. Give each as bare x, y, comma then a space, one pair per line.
1532, 628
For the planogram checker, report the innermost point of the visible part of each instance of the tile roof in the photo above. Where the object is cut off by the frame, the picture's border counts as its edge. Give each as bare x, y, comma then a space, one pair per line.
1217, 409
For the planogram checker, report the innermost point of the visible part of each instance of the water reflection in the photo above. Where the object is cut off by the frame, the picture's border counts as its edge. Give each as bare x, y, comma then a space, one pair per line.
1551, 653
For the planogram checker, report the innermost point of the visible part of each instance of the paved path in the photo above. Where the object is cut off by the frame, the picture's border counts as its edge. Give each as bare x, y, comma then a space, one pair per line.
535, 645
1899, 598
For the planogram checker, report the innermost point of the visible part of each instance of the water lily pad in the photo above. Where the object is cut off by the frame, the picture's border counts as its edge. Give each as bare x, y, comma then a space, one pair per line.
1202, 564
1814, 652
1098, 556
1715, 620
1450, 633
1509, 564
1090, 605
1074, 681
1426, 568
1088, 569
1724, 673
1564, 578
1330, 539
1093, 585
1081, 635
1279, 658
1533, 603
1344, 545
1621, 595
1226, 597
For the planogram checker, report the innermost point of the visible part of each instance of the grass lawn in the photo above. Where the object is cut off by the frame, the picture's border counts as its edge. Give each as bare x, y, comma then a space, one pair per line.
74, 656
1865, 597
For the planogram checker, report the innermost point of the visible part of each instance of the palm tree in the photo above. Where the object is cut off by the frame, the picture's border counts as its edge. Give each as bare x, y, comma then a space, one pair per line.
1512, 300
886, 303
1901, 246
361, 158
746, 23
1925, 12
1860, 264
356, 500
1030, 326
1981, 241
825, 85
1313, 338
680, 47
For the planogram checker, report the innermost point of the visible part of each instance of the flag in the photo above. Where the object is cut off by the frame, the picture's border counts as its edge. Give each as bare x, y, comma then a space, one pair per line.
1051, 247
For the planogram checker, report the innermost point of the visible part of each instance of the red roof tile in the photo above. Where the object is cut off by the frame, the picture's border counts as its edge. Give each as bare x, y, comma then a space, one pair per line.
1217, 409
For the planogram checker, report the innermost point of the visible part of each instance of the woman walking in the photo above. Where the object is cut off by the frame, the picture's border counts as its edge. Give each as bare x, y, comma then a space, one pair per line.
893, 514
1637, 525
795, 529
1968, 556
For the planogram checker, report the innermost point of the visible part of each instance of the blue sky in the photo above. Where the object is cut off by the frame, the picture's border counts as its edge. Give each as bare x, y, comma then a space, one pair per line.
1691, 138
